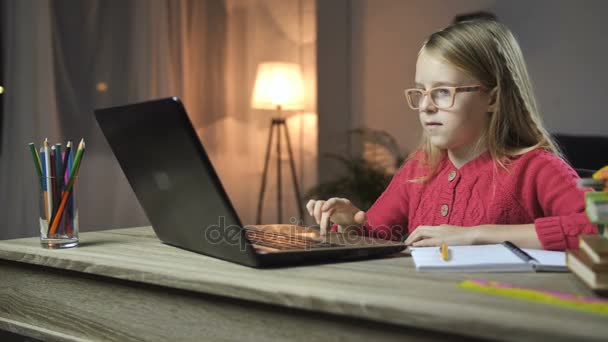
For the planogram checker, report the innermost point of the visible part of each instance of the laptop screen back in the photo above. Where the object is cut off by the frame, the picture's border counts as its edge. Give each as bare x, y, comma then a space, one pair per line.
173, 178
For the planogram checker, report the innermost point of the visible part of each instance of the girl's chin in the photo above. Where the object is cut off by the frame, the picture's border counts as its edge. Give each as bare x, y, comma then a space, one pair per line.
439, 143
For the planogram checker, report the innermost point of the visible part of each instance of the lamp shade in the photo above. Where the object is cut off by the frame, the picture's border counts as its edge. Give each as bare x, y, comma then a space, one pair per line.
278, 84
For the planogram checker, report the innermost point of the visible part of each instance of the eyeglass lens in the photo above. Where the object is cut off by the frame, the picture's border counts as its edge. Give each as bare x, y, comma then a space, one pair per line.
441, 97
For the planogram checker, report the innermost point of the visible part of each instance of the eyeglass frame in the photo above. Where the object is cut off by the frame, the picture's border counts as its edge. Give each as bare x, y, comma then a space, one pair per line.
453, 91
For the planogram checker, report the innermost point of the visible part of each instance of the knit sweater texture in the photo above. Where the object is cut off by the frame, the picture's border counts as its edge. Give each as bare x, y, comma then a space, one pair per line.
537, 187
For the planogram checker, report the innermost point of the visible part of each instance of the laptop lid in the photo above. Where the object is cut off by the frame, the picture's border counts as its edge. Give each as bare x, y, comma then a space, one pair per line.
174, 180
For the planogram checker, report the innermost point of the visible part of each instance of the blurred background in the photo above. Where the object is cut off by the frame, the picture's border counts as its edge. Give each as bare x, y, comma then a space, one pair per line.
349, 127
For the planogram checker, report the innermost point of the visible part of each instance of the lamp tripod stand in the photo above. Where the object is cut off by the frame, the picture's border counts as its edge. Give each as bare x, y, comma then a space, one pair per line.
278, 123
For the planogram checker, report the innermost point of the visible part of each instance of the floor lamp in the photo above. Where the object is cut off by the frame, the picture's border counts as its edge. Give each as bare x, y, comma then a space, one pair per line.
278, 87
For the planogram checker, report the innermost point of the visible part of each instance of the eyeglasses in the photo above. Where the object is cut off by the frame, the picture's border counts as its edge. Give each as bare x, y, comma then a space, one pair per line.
441, 97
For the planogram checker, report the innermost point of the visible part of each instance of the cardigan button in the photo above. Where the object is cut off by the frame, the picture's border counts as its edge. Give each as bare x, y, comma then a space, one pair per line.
444, 210
451, 175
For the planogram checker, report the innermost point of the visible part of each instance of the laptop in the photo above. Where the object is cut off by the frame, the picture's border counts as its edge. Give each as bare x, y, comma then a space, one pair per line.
187, 206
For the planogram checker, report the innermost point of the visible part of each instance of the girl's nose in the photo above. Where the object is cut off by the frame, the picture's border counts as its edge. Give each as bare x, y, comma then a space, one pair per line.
426, 105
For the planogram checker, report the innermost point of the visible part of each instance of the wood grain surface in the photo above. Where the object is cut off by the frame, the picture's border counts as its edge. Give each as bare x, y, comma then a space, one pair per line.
384, 291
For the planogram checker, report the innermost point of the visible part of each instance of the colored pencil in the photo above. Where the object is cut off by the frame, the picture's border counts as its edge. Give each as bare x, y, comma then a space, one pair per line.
444, 252
49, 194
70, 207
44, 189
53, 175
66, 154
58, 168
77, 160
37, 163
68, 188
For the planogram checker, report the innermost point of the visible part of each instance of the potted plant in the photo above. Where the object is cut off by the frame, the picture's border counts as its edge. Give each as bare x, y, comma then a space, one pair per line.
365, 176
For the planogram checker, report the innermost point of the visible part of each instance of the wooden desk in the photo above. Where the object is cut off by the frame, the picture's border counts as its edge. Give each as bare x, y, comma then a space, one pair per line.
123, 284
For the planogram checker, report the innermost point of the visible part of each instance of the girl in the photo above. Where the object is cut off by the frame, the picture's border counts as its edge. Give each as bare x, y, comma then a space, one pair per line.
487, 170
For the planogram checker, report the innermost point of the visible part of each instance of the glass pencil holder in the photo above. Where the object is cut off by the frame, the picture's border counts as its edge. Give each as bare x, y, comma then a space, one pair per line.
58, 215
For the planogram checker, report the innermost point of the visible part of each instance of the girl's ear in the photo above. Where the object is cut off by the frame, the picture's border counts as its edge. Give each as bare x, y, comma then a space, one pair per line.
492, 102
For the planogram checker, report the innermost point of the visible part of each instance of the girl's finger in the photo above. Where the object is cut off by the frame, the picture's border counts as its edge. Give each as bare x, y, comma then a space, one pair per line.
415, 236
324, 222
317, 211
360, 217
427, 243
310, 206
329, 203
422, 232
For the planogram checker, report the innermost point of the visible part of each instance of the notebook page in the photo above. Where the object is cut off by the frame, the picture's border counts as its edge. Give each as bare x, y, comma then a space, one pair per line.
547, 258
484, 258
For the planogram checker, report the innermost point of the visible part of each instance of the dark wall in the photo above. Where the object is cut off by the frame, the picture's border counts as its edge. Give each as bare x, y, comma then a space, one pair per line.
1, 68
584, 152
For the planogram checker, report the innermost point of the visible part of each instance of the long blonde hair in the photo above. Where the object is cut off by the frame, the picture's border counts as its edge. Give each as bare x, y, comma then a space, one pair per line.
487, 51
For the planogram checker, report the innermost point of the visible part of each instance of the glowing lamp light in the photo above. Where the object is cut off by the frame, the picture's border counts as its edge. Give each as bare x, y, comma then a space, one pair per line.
278, 85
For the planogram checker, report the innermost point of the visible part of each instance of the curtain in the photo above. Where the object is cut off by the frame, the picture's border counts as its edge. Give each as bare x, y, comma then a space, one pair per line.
29, 78
65, 58
259, 31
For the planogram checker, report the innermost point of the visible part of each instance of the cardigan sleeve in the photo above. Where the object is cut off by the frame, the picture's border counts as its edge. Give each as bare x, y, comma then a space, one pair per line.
387, 218
562, 204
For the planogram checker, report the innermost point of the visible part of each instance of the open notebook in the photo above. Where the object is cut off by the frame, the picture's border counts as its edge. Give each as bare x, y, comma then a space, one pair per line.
504, 257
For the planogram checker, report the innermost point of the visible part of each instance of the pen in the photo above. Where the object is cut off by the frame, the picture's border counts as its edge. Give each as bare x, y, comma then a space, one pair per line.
444, 251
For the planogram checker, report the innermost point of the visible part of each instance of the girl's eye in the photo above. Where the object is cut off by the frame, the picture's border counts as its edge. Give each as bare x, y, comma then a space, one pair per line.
442, 92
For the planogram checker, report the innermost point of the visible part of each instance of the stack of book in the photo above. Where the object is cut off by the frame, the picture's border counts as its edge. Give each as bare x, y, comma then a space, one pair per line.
590, 261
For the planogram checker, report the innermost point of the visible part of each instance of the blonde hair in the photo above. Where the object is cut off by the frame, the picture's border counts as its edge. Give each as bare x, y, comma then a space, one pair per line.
487, 51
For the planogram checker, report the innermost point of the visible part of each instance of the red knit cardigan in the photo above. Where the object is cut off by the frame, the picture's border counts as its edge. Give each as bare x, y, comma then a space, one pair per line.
537, 187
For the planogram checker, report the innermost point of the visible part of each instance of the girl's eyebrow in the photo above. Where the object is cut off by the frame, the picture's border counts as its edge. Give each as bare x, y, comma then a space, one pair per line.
437, 84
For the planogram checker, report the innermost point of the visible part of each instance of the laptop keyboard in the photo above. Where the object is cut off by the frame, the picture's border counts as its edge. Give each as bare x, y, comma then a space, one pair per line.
285, 241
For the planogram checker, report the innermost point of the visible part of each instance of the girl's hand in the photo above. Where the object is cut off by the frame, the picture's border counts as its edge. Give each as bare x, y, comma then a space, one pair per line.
340, 210
428, 236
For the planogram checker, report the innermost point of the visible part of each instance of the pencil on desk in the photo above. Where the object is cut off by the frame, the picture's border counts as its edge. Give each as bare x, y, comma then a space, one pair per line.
444, 252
